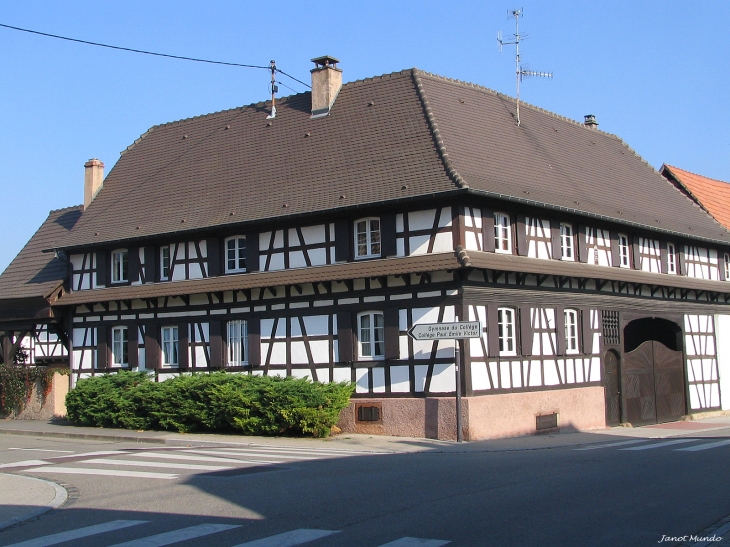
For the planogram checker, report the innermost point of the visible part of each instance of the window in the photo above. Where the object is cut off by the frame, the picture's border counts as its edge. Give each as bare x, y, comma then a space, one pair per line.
367, 238
371, 335
507, 337
671, 258
170, 346
165, 262
120, 265
571, 331
237, 350
623, 251
726, 265
235, 254
566, 242
502, 233
120, 357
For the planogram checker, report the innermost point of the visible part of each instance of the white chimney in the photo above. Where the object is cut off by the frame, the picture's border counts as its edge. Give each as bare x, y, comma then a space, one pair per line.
326, 84
93, 180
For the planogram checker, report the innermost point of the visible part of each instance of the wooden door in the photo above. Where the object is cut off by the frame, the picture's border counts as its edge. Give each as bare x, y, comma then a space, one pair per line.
613, 395
653, 382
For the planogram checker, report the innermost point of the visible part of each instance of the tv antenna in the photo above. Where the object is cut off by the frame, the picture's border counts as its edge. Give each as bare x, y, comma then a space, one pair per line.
274, 89
520, 71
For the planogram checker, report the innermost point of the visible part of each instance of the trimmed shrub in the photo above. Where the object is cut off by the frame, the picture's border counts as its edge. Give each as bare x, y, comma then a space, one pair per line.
252, 405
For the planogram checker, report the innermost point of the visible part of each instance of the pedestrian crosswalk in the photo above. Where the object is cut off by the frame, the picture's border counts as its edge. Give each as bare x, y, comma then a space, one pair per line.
107, 530
636, 445
167, 463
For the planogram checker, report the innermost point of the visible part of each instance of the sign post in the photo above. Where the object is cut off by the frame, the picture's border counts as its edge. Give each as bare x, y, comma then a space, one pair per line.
457, 331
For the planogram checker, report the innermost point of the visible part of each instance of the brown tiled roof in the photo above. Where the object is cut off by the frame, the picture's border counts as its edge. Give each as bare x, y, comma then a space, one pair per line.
34, 273
401, 135
335, 272
712, 195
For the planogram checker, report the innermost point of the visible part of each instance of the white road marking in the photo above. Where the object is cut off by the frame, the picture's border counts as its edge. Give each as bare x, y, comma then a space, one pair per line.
705, 446
136, 463
42, 450
99, 453
660, 445
162, 455
303, 450
103, 472
26, 463
720, 532
415, 542
622, 443
55, 539
178, 535
238, 459
289, 539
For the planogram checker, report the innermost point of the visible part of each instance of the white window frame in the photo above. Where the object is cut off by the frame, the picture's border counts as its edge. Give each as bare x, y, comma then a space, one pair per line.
165, 276
120, 347
502, 233
507, 331
239, 254
726, 265
120, 266
170, 346
371, 338
624, 251
237, 348
567, 247
571, 332
372, 239
671, 259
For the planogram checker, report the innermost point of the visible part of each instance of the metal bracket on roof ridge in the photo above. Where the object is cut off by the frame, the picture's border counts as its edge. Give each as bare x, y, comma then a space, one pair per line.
436, 134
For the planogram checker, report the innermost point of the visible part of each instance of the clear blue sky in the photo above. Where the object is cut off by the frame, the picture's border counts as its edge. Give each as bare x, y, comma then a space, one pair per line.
654, 72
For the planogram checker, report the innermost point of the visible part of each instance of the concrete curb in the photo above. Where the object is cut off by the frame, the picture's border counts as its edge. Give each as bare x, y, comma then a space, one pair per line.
86, 436
59, 499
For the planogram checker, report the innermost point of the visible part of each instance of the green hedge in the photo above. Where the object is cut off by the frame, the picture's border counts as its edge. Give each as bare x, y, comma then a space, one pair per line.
253, 405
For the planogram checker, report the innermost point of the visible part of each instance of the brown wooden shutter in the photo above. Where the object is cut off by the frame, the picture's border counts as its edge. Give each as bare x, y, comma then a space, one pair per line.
102, 268
387, 235
681, 259
342, 240
560, 330
183, 345
150, 264
721, 264
345, 337
615, 254
492, 330
216, 344
254, 341
213, 245
151, 346
555, 239
521, 230
586, 331
525, 330
636, 251
133, 264
392, 343
664, 257
252, 253
133, 346
488, 230
102, 347
582, 244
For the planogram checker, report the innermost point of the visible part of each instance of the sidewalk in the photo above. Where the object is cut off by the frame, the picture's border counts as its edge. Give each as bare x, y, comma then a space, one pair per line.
23, 498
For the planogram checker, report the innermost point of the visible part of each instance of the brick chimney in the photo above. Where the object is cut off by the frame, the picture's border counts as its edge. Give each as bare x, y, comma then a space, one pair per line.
326, 84
590, 121
93, 180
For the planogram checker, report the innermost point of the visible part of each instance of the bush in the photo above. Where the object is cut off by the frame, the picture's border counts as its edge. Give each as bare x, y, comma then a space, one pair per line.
252, 405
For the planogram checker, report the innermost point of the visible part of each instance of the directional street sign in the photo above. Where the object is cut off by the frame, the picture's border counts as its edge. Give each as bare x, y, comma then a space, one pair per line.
446, 331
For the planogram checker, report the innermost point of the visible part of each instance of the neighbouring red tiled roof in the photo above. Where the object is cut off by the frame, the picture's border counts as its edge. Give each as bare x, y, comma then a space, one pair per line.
34, 273
397, 136
713, 195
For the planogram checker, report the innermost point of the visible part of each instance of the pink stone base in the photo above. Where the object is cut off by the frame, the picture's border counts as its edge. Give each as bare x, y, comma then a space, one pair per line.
483, 417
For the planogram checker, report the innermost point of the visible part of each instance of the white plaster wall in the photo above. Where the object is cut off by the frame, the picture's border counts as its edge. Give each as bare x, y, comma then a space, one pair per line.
722, 329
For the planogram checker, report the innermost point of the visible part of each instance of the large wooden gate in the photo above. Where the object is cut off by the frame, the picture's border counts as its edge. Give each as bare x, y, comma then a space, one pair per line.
653, 383
613, 391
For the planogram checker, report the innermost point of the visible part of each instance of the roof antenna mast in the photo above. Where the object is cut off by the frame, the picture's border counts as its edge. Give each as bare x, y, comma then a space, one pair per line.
274, 89
520, 72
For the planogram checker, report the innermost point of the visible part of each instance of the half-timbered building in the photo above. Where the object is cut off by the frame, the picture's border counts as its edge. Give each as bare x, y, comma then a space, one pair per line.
307, 244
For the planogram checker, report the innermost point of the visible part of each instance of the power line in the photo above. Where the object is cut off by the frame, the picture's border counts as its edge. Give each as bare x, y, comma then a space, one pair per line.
180, 57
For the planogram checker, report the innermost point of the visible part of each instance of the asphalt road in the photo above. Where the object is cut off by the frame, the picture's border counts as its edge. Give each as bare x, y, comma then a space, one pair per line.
629, 494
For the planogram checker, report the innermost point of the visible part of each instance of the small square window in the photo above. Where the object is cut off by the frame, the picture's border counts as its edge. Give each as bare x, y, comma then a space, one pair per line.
566, 242
671, 258
502, 233
507, 333
623, 251
170, 347
236, 254
371, 335
237, 344
120, 355
367, 238
571, 332
120, 266
165, 263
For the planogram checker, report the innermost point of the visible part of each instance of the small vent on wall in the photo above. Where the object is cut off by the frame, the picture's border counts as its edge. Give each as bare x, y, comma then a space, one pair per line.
546, 422
369, 412
611, 330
